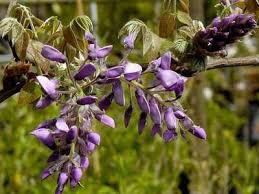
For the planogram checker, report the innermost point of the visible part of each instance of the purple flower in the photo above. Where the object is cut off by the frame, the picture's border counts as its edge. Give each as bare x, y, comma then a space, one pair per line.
155, 129
44, 102
169, 135
49, 86
142, 101
86, 100
170, 119
90, 147
94, 138
45, 137
106, 120
62, 179
90, 37
96, 52
187, 122
127, 115
106, 101
129, 41
85, 70
62, 125
132, 71
166, 61
52, 54
198, 132
142, 122
76, 175
154, 111
84, 162
179, 114
114, 72
118, 93
168, 78
45, 174
72, 133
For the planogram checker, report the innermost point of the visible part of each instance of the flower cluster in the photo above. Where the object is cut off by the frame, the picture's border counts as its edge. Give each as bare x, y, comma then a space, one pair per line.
224, 31
70, 136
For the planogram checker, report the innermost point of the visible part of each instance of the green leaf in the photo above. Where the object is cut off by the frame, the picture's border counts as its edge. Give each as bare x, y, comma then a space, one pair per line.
29, 93
133, 26
184, 18
180, 45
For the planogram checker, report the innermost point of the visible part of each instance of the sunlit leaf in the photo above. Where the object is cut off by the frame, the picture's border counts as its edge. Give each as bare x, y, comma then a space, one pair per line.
29, 93
184, 18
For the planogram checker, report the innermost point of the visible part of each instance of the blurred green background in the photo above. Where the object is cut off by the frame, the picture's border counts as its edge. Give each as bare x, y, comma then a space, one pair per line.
224, 102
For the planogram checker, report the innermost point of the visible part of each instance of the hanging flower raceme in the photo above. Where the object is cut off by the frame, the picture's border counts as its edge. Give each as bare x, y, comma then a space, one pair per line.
224, 31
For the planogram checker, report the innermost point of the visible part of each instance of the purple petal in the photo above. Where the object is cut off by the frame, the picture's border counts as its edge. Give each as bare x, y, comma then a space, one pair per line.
127, 115
106, 101
76, 175
118, 93
154, 111
86, 100
142, 122
62, 178
129, 41
44, 102
179, 114
114, 72
45, 174
48, 86
142, 101
90, 147
53, 54
187, 122
53, 157
103, 52
198, 132
72, 133
94, 138
106, 120
62, 125
47, 124
44, 136
168, 78
84, 162
170, 119
132, 71
90, 37
166, 61
85, 70
155, 129
169, 135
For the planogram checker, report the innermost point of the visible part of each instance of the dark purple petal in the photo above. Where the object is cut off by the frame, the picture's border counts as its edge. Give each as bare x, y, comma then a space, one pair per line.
142, 122
132, 71
103, 52
169, 135
118, 93
45, 174
45, 136
142, 101
86, 100
106, 101
47, 124
170, 119
48, 86
166, 61
155, 129
178, 87
106, 120
62, 125
53, 157
72, 133
53, 54
94, 138
114, 72
187, 123
198, 132
84, 162
154, 111
44, 102
127, 115
85, 70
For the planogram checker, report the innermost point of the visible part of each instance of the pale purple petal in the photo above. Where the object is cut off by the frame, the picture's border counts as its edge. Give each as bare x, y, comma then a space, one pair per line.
154, 111
179, 114
167, 77
76, 175
103, 52
94, 138
170, 119
90, 37
62, 179
198, 132
84, 162
48, 86
166, 61
114, 72
142, 101
62, 125
106, 120
132, 71
169, 135
45, 136
90, 147
44, 102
